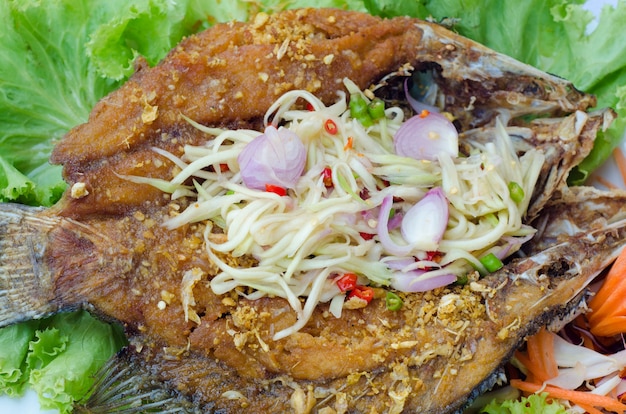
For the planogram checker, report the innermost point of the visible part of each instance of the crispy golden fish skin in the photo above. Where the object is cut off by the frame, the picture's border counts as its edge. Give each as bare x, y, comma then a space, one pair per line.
103, 246
440, 366
230, 74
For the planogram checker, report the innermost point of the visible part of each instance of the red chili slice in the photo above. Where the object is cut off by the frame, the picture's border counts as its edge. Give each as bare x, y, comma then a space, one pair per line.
276, 189
434, 256
327, 177
366, 236
362, 292
331, 127
347, 282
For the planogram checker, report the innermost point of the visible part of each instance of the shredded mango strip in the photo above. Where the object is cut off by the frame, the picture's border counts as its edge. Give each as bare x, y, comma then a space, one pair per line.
584, 399
608, 315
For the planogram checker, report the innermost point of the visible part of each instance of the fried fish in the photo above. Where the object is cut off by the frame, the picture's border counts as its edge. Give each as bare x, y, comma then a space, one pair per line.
104, 247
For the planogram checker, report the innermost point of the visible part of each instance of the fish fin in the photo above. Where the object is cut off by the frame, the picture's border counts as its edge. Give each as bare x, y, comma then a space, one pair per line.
128, 385
26, 286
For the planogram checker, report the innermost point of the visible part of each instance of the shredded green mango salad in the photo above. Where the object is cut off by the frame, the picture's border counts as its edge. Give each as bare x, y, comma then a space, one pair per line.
321, 201
59, 57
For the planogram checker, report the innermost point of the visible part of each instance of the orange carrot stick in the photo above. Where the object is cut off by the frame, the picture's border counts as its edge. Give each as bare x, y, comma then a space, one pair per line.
608, 303
620, 161
540, 360
606, 183
589, 409
610, 325
577, 397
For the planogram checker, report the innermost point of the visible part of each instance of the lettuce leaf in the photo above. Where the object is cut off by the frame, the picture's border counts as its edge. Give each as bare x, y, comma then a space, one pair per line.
46, 87
533, 404
14, 343
56, 357
57, 59
64, 356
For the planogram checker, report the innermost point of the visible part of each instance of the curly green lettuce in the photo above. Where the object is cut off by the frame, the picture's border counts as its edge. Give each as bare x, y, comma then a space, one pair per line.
56, 357
533, 404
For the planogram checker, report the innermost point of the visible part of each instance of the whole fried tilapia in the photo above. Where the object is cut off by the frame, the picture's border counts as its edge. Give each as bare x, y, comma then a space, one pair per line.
103, 246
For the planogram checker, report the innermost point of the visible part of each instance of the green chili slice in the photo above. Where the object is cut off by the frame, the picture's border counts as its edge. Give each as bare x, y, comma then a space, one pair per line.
359, 110
376, 109
393, 301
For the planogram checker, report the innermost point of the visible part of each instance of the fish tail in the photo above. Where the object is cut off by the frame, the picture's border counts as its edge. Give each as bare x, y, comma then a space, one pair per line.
26, 288
126, 384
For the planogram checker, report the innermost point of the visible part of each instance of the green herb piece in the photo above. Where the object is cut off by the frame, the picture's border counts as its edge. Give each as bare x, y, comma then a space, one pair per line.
491, 262
516, 192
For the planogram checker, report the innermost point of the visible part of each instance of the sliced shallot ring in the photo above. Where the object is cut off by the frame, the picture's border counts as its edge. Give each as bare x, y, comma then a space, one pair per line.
425, 136
274, 158
414, 281
425, 223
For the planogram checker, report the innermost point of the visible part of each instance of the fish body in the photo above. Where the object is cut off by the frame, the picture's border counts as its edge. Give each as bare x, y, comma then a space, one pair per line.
104, 246
441, 350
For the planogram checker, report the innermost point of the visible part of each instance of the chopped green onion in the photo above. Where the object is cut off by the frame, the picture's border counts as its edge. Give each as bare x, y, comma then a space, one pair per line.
376, 109
359, 110
491, 262
492, 219
393, 301
516, 191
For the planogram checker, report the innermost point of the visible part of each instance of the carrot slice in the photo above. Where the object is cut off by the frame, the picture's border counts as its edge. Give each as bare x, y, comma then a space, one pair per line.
545, 341
609, 326
539, 358
608, 308
620, 161
589, 409
582, 398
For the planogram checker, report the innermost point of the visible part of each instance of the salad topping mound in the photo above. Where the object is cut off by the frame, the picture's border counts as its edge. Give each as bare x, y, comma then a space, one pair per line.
332, 201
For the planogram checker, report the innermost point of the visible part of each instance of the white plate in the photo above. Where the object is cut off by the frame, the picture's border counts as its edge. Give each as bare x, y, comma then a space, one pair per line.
28, 404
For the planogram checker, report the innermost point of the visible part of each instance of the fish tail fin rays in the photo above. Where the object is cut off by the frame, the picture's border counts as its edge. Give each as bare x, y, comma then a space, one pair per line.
26, 288
126, 384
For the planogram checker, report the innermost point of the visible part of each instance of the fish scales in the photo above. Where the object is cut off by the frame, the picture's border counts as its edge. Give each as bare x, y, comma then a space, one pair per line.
105, 248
